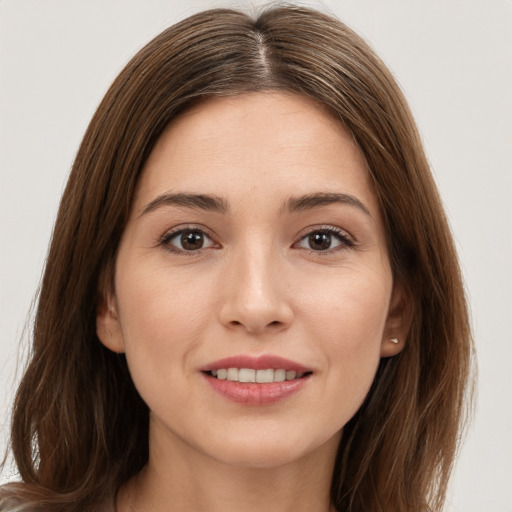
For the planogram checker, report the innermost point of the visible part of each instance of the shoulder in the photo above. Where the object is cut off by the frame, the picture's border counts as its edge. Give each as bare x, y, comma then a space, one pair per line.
21, 497
11, 506
14, 506
11, 501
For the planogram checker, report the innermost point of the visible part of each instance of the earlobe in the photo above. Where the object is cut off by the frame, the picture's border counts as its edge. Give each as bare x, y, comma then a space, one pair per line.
398, 322
108, 328
391, 347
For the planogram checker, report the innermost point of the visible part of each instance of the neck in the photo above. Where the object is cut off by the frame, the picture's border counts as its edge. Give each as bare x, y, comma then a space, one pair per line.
178, 478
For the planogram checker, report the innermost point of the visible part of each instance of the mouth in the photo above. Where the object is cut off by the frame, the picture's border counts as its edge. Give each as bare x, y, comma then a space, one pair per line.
251, 375
256, 380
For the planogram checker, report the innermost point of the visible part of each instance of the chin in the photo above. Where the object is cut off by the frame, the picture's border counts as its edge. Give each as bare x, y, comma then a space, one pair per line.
261, 457
266, 450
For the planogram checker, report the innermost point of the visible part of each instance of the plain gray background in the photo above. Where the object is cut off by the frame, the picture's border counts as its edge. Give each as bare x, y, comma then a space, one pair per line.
452, 58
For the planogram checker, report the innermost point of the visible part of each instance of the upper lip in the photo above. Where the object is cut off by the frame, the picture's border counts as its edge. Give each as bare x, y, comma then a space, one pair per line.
263, 362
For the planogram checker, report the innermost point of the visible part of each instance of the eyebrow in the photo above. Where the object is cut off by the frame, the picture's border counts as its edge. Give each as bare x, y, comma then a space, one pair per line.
310, 201
213, 203
205, 202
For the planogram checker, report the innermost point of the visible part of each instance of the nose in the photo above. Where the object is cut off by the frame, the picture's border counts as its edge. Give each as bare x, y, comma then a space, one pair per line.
255, 297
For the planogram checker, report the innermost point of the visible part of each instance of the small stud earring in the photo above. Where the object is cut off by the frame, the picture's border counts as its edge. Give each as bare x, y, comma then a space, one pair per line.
393, 340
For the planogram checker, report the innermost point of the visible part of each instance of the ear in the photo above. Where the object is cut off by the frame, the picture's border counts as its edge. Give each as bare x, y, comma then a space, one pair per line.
108, 327
398, 322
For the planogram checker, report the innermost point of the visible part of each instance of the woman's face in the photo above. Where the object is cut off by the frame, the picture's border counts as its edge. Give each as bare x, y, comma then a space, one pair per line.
256, 243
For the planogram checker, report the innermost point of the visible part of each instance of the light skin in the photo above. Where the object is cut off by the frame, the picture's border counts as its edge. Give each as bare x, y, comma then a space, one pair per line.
254, 230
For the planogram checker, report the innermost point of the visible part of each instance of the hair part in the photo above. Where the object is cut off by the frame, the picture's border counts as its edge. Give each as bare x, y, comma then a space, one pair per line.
79, 427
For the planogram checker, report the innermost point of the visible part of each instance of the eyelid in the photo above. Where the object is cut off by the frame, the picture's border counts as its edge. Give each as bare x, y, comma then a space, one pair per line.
346, 239
176, 230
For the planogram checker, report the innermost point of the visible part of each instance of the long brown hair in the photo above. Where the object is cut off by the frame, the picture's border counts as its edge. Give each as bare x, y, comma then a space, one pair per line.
79, 428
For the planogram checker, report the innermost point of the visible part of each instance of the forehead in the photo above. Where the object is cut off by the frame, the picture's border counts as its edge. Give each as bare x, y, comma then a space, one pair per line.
260, 143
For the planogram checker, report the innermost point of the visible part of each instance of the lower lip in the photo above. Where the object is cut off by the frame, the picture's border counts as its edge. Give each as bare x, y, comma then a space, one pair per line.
256, 394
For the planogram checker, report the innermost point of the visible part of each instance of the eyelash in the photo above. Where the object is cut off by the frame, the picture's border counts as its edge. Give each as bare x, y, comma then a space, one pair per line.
165, 240
346, 241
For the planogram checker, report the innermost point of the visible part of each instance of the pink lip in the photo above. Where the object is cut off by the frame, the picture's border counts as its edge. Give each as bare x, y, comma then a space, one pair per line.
263, 362
252, 393
256, 394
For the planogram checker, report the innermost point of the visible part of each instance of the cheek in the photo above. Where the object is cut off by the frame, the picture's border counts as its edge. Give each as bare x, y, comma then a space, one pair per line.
347, 322
350, 308
156, 299
164, 316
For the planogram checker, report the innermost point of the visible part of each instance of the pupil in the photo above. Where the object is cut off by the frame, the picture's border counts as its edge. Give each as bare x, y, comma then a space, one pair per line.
192, 240
320, 241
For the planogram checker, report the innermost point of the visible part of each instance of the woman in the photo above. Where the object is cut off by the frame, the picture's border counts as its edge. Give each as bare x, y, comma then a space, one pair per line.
252, 298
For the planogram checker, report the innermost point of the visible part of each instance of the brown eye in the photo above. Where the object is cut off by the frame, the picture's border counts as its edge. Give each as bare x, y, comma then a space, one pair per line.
192, 240
325, 240
319, 241
187, 240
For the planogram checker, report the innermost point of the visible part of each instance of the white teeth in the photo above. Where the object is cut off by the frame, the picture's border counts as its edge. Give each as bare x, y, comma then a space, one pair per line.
279, 375
251, 375
247, 375
265, 376
232, 374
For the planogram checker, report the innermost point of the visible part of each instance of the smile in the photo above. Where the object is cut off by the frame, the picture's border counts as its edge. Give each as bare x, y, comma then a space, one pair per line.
260, 380
251, 375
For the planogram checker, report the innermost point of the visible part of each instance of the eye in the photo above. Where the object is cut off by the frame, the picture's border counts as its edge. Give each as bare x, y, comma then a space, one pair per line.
325, 239
187, 240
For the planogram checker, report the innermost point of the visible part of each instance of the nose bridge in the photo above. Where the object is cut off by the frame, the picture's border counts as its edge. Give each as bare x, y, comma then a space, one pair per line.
255, 295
